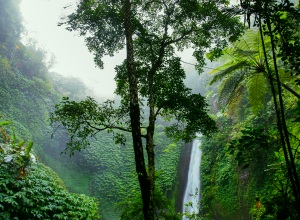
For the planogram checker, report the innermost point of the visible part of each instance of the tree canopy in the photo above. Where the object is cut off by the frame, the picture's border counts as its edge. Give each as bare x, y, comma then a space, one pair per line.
152, 31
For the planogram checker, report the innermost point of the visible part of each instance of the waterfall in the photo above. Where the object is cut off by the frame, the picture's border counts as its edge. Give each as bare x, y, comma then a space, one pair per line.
192, 191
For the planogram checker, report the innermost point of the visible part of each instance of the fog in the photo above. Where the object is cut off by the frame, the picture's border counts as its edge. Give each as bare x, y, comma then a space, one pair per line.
72, 56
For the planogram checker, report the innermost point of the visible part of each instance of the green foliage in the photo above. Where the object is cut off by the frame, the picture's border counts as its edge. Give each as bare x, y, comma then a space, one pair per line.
257, 213
186, 112
31, 190
85, 119
19, 96
71, 87
106, 170
27, 95
112, 172
131, 208
297, 112
251, 148
153, 32
156, 64
26, 98
219, 180
244, 160
244, 68
284, 17
203, 25
231, 89
257, 90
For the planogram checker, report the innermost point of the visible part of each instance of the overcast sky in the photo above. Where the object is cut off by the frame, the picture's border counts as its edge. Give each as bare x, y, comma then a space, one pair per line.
72, 56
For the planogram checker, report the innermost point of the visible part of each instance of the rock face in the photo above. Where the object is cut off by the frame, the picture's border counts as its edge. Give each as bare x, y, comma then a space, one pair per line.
183, 174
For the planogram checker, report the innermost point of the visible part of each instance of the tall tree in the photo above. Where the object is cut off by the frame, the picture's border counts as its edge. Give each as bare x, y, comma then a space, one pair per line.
152, 32
146, 181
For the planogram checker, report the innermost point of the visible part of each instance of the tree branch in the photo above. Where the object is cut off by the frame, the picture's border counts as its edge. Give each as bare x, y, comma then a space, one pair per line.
157, 112
290, 90
181, 37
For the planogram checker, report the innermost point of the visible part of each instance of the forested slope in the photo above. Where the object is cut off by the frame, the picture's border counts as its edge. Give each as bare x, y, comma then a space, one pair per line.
29, 189
105, 170
246, 172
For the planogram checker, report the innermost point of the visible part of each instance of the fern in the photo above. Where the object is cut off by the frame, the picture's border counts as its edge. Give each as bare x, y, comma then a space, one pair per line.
229, 87
229, 70
235, 100
257, 90
249, 41
246, 69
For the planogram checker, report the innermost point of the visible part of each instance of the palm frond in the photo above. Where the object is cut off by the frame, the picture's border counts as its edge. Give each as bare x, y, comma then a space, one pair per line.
235, 100
246, 70
229, 87
228, 54
257, 90
221, 67
245, 52
229, 69
248, 41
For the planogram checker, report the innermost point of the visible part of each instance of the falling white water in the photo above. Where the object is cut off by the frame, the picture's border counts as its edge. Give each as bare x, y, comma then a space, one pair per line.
192, 191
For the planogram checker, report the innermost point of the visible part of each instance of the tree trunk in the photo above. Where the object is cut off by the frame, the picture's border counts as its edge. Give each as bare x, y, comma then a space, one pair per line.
279, 121
294, 179
290, 90
150, 143
151, 127
135, 116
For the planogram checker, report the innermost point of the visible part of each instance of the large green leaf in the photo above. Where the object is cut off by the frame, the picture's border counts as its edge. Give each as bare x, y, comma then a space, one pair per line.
229, 68
229, 88
257, 90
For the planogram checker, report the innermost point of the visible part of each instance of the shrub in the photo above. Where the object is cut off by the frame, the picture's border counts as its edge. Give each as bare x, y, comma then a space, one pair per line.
30, 190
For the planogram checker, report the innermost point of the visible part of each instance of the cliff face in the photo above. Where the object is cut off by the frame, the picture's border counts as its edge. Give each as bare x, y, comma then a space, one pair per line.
183, 174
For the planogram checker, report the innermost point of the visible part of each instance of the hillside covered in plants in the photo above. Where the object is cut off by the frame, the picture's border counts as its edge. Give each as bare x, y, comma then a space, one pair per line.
104, 170
67, 154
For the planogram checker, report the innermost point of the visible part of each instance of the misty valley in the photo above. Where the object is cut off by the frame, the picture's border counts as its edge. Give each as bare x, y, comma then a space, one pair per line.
203, 123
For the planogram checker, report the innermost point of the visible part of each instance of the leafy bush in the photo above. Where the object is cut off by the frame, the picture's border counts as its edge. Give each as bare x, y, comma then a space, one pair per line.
132, 209
30, 190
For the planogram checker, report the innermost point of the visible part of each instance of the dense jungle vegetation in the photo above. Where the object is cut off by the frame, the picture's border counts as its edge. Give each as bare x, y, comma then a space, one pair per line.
250, 167
250, 159
105, 170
